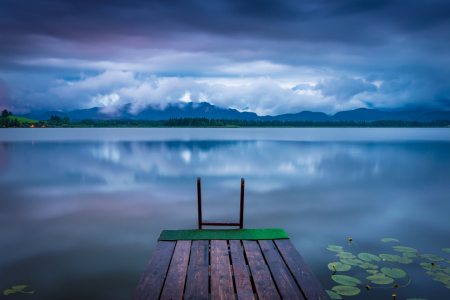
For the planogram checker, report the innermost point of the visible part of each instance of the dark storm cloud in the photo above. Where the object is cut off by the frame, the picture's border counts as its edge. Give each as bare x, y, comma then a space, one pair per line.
385, 54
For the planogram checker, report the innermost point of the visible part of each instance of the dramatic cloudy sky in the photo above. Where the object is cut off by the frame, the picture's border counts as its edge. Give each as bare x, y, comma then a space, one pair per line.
265, 56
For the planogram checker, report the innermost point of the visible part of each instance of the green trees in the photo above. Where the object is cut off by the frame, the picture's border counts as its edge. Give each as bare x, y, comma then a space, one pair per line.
5, 113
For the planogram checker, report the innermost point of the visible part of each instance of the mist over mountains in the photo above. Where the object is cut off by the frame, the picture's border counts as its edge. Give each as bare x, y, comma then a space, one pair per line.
204, 109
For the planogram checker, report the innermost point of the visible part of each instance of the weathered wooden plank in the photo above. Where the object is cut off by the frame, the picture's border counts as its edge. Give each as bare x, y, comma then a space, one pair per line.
241, 277
265, 287
197, 282
221, 279
309, 284
174, 285
283, 279
152, 280
220, 223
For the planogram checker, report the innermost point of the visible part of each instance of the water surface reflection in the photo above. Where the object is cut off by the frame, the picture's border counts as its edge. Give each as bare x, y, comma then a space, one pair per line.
81, 219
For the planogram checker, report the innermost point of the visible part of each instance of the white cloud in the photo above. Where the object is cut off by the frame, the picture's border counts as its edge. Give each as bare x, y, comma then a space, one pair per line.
263, 95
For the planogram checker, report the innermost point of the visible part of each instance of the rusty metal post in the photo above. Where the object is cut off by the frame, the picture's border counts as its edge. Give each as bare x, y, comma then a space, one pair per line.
241, 217
199, 193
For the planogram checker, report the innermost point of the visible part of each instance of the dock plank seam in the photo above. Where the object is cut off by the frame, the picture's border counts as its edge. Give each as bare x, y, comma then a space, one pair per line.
310, 286
151, 284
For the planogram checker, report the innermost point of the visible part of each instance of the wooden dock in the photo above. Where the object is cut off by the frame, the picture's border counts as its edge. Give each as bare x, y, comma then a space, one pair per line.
228, 269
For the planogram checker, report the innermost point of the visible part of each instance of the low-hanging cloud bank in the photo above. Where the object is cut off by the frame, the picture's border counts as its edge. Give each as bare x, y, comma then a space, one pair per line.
263, 95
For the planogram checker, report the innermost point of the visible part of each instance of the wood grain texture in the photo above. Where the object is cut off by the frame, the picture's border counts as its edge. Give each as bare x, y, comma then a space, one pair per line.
176, 278
265, 287
221, 279
152, 280
309, 284
281, 275
197, 281
241, 277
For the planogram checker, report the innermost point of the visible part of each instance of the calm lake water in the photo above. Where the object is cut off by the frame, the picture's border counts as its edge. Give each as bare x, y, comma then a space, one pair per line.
81, 209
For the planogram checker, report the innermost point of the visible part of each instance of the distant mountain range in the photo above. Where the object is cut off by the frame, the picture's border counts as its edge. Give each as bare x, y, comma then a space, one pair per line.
209, 111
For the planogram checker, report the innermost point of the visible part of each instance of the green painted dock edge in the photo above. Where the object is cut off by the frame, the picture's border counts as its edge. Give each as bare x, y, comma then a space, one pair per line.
223, 234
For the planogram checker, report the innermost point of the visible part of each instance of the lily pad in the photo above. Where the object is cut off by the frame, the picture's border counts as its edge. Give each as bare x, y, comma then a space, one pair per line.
346, 290
403, 260
446, 250
404, 249
372, 271
339, 266
9, 291
430, 267
389, 257
443, 278
389, 240
447, 270
334, 248
349, 261
345, 280
375, 275
381, 280
345, 255
432, 257
368, 257
368, 266
333, 295
431, 273
409, 254
394, 273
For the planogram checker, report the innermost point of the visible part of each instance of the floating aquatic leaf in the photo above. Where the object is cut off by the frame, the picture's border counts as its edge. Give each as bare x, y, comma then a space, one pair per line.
389, 257
443, 278
346, 290
19, 287
381, 279
446, 249
409, 254
334, 248
447, 261
339, 266
432, 257
345, 255
447, 270
375, 275
430, 267
9, 291
368, 266
431, 273
345, 280
333, 295
372, 271
349, 261
403, 260
368, 257
389, 240
394, 273
404, 249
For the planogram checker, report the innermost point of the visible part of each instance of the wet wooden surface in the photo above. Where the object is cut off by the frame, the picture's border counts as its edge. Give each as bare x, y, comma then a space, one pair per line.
235, 269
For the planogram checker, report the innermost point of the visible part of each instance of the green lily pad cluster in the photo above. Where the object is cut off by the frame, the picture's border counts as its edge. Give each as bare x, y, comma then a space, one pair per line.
441, 277
386, 275
17, 288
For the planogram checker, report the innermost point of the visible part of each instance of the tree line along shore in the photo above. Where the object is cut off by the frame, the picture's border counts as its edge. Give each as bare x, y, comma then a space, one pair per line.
8, 120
